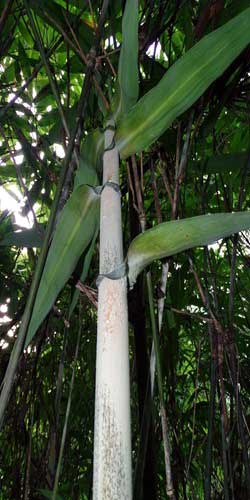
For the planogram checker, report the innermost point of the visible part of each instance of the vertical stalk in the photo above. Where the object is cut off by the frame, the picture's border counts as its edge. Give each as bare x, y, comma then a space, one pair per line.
169, 480
112, 443
211, 414
66, 420
224, 450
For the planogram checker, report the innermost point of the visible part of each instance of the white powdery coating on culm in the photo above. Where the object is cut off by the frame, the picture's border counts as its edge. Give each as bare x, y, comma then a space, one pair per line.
112, 419
112, 446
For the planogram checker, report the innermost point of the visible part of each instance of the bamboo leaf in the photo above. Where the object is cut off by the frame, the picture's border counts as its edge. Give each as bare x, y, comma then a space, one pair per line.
128, 76
182, 85
74, 232
90, 159
172, 237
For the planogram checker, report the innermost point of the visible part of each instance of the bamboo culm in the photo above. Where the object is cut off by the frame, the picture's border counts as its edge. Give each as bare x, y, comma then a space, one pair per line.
112, 441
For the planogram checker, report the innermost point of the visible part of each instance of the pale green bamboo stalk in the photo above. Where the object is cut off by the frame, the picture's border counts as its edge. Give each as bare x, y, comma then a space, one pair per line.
112, 442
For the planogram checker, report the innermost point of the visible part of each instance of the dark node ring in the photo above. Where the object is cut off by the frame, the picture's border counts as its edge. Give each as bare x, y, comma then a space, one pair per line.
113, 185
109, 127
111, 146
116, 274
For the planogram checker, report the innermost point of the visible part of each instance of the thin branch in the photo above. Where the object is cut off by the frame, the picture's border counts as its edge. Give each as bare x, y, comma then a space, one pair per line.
155, 193
21, 183
181, 165
194, 409
29, 79
198, 317
65, 427
85, 60
131, 187
52, 82
169, 482
165, 180
4, 15
90, 293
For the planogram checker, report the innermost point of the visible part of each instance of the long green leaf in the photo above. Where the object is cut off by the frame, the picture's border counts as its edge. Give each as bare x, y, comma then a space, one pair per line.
172, 237
75, 230
128, 75
182, 85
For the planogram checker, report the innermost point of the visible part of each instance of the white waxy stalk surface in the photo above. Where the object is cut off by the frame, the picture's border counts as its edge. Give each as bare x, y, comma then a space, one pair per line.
112, 442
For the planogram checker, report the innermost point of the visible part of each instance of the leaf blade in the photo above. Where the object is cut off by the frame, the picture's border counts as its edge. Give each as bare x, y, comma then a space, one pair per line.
173, 237
182, 85
80, 217
128, 75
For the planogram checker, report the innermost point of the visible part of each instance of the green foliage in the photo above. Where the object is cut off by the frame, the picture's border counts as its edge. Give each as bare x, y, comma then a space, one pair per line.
182, 85
128, 76
200, 334
74, 232
170, 238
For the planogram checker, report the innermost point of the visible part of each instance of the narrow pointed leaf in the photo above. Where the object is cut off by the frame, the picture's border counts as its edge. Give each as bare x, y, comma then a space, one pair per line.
170, 238
182, 85
128, 76
75, 230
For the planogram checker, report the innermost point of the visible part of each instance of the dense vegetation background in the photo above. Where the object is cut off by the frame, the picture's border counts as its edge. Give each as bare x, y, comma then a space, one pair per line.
51, 53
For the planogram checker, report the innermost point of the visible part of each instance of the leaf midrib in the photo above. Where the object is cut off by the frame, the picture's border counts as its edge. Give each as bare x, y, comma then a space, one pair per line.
58, 264
159, 109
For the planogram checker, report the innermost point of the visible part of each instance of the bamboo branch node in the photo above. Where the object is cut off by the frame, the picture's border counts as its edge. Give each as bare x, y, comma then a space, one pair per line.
111, 146
112, 185
117, 273
109, 126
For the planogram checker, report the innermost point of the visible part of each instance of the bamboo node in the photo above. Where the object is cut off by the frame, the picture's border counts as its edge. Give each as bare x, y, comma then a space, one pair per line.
117, 273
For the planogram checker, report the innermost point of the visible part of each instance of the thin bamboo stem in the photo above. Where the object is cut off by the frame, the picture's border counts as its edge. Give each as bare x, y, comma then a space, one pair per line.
208, 460
143, 443
65, 427
224, 451
155, 351
194, 410
169, 482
